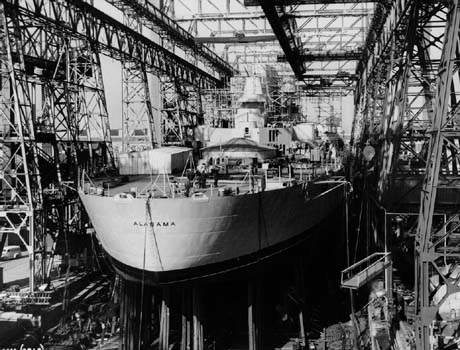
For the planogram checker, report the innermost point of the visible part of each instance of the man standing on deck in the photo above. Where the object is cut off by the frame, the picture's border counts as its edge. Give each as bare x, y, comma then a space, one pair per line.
215, 174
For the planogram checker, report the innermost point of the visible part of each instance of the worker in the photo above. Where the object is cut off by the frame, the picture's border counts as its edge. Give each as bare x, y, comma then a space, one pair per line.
203, 179
291, 170
215, 174
252, 179
187, 187
333, 152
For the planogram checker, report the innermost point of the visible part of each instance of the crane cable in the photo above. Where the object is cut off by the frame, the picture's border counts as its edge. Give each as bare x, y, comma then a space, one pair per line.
141, 315
151, 224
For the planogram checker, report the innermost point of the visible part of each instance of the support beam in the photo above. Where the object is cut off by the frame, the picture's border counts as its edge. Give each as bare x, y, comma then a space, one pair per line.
284, 32
110, 37
435, 247
307, 2
136, 308
254, 319
240, 39
153, 18
164, 320
186, 336
327, 56
237, 16
198, 337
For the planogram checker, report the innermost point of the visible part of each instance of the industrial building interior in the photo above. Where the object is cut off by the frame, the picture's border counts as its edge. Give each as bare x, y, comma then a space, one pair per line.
359, 98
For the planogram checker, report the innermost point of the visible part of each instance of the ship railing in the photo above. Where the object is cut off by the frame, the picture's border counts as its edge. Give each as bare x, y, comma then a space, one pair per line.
365, 270
26, 298
163, 186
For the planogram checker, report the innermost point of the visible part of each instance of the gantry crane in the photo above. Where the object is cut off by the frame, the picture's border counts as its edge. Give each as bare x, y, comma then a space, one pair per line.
53, 113
436, 249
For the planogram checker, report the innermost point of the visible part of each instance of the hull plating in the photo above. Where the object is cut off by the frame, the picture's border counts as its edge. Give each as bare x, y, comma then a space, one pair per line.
176, 234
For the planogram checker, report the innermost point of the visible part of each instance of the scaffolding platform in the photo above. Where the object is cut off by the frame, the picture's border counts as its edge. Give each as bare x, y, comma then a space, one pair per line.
365, 270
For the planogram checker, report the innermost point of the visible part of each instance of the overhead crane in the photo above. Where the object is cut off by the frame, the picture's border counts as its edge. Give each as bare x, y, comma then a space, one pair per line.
282, 27
152, 17
111, 37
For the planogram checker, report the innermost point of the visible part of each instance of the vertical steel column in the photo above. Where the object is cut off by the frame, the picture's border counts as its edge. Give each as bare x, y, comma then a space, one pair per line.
425, 248
137, 114
164, 320
88, 99
136, 322
19, 175
186, 318
254, 319
198, 336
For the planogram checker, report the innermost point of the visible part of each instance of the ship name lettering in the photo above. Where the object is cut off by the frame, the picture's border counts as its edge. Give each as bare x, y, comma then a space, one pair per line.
155, 223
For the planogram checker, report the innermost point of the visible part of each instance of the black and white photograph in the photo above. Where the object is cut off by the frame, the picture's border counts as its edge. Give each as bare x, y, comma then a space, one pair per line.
229, 174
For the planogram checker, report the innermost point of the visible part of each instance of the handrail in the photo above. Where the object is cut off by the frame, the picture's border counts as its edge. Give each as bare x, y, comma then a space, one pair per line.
382, 256
37, 298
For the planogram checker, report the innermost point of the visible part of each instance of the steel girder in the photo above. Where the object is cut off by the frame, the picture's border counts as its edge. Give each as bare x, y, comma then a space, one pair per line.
436, 249
52, 109
388, 24
339, 55
20, 177
155, 19
90, 106
181, 111
282, 27
80, 20
404, 118
137, 113
322, 13
305, 2
322, 28
394, 101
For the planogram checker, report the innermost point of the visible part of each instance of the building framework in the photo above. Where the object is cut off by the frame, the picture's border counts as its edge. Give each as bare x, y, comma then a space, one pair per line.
54, 119
397, 57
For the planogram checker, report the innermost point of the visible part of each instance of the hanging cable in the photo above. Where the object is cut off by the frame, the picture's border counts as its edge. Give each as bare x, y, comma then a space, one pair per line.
141, 316
149, 213
359, 223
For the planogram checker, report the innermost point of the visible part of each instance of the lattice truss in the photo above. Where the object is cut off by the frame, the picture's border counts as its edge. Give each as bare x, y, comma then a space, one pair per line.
407, 109
181, 109
53, 111
396, 91
137, 113
178, 107
437, 248
53, 117
331, 36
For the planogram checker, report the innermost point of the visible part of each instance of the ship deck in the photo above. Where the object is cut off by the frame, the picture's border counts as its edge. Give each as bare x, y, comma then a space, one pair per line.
172, 186
169, 186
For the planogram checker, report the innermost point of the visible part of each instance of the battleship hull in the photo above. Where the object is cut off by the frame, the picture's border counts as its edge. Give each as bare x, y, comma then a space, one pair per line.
151, 238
